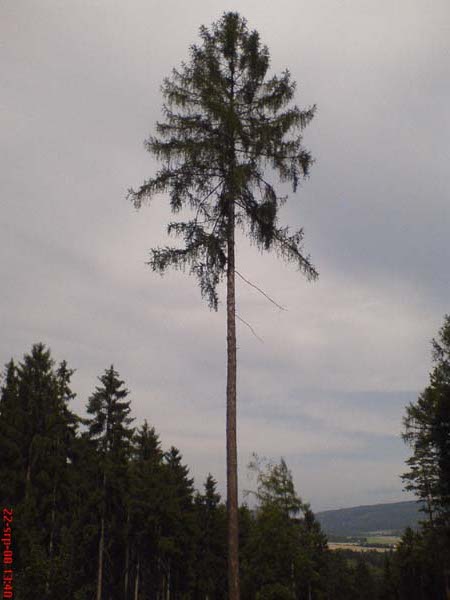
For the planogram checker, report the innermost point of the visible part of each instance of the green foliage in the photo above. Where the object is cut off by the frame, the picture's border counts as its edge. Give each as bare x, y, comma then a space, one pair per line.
286, 553
12, 426
417, 566
226, 123
177, 522
145, 506
423, 559
37, 432
108, 427
275, 591
363, 581
110, 434
275, 489
211, 548
161, 535
339, 577
427, 432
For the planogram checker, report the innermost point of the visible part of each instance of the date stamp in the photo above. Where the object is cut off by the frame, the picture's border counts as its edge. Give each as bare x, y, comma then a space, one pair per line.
7, 553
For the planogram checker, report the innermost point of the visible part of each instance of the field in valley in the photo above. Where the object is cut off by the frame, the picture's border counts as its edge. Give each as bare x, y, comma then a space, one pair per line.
377, 543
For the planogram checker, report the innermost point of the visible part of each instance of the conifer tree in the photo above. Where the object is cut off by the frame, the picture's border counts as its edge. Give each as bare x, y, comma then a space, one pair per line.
388, 585
110, 432
410, 566
313, 544
210, 564
43, 397
287, 547
427, 431
177, 525
226, 123
12, 477
146, 510
37, 430
440, 383
84, 508
422, 477
339, 578
275, 487
363, 581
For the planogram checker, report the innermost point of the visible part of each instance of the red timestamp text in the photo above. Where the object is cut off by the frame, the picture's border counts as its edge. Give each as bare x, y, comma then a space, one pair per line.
7, 553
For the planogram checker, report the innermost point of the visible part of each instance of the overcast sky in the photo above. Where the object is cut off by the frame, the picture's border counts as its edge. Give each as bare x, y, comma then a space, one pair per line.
327, 385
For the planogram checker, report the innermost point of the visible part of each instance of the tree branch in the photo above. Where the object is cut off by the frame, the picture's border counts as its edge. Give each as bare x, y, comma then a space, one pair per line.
249, 326
261, 291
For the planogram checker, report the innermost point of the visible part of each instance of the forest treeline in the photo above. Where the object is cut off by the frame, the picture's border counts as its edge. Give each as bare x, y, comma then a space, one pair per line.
101, 511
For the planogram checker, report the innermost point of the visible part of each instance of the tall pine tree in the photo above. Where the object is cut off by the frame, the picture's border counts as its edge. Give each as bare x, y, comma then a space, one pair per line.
226, 123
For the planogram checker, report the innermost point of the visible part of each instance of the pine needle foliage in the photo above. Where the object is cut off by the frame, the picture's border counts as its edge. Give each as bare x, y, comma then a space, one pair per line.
427, 432
226, 123
109, 424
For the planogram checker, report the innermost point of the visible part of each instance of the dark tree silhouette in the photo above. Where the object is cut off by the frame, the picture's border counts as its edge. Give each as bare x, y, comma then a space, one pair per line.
225, 124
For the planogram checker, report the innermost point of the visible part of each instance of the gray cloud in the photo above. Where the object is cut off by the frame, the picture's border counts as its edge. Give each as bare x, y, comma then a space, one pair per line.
328, 385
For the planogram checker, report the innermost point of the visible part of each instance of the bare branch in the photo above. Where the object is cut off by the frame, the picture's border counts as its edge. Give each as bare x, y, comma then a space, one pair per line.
249, 326
261, 291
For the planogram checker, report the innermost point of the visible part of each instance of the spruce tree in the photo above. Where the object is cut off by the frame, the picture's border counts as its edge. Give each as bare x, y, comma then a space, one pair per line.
12, 474
423, 475
339, 577
177, 525
411, 566
110, 432
440, 430
37, 429
389, 583
226, 123
210, 564
146, 505
363, 581
84, 527
427, 431
314, 547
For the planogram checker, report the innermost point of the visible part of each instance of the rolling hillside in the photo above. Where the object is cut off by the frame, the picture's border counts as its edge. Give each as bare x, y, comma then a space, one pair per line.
394, 517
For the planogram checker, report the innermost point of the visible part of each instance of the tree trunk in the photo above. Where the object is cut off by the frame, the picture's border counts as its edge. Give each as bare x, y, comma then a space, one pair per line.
127, 558
52, 523
52, 535
429, 502
168, 583
28, 472
136, 582
232, 484
101, 545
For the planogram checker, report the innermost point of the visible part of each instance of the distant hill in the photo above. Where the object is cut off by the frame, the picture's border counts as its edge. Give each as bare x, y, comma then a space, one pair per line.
394, 517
